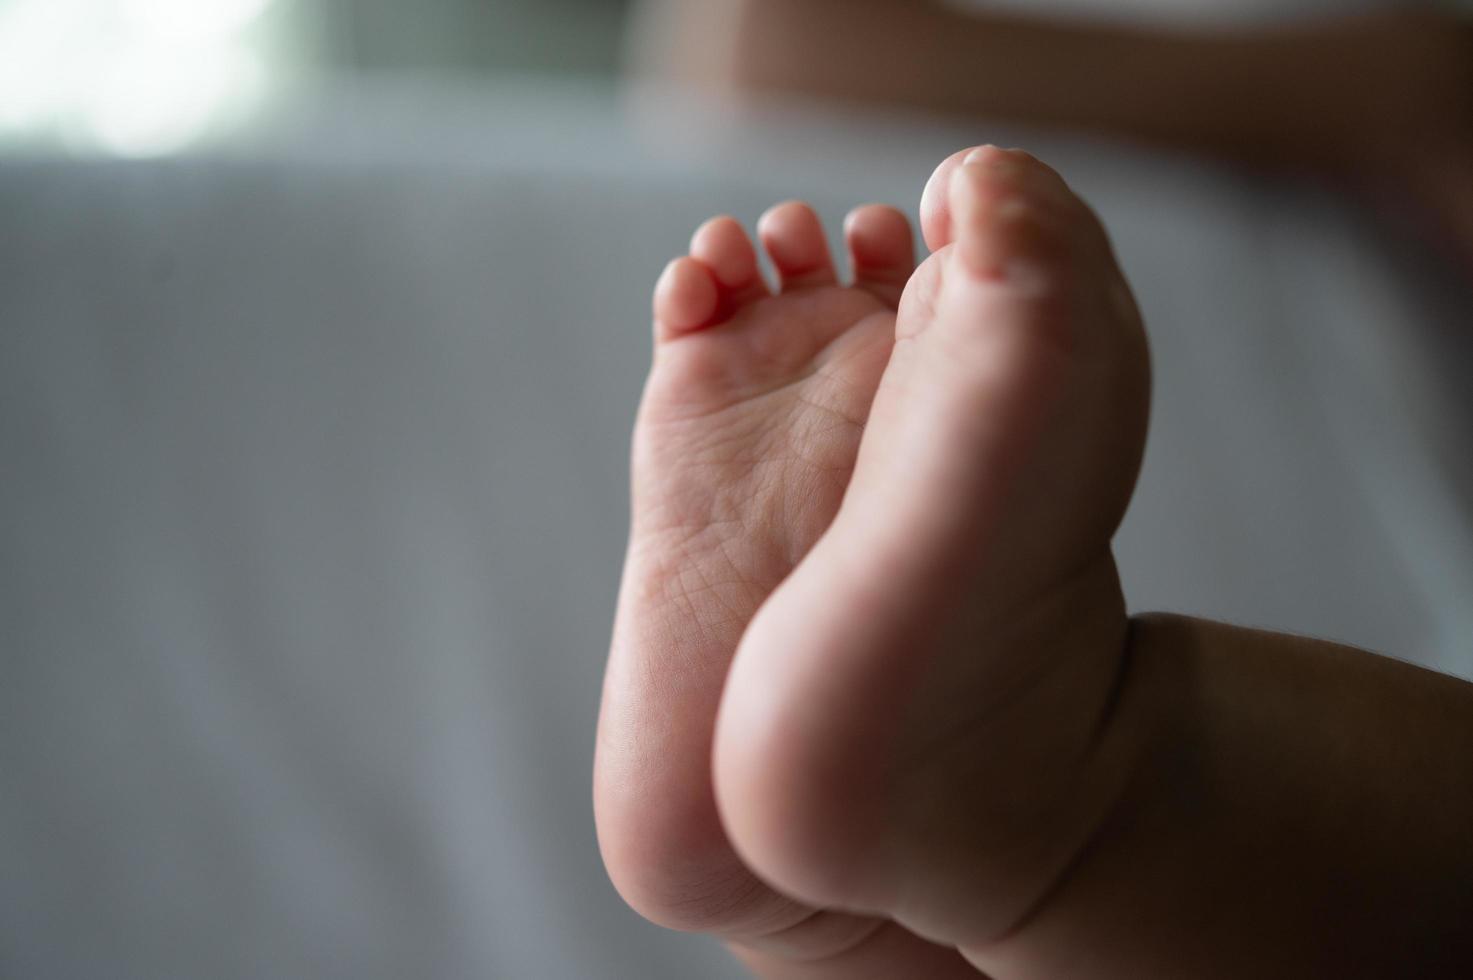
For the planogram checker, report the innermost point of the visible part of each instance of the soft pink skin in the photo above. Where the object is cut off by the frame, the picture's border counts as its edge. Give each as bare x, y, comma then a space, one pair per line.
738, 371
1000, 453
1017, 366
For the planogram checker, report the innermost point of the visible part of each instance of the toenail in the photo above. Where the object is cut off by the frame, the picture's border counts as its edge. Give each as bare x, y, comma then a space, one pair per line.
982, 154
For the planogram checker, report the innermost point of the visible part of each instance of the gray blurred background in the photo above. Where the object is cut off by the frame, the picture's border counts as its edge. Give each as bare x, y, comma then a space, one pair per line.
322, 325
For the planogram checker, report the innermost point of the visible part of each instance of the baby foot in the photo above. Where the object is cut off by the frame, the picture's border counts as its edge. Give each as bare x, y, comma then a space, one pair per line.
912, 724
745, 442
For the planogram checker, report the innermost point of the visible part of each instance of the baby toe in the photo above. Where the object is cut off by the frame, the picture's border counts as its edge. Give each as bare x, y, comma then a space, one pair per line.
1007, 222
686, 299
936, 201
723, 246
794, 239
881, 250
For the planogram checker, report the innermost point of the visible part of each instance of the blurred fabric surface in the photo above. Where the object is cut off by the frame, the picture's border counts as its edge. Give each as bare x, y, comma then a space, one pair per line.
313, 501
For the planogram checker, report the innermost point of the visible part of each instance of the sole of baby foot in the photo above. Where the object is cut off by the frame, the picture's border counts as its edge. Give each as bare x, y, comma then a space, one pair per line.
745, 442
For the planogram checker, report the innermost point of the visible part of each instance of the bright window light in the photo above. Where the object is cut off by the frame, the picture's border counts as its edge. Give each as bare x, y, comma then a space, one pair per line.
130, 77
192, 18
36, 70
156, 101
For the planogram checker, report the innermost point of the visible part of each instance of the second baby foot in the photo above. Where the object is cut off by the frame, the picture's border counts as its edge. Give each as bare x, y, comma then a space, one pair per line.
912, 725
